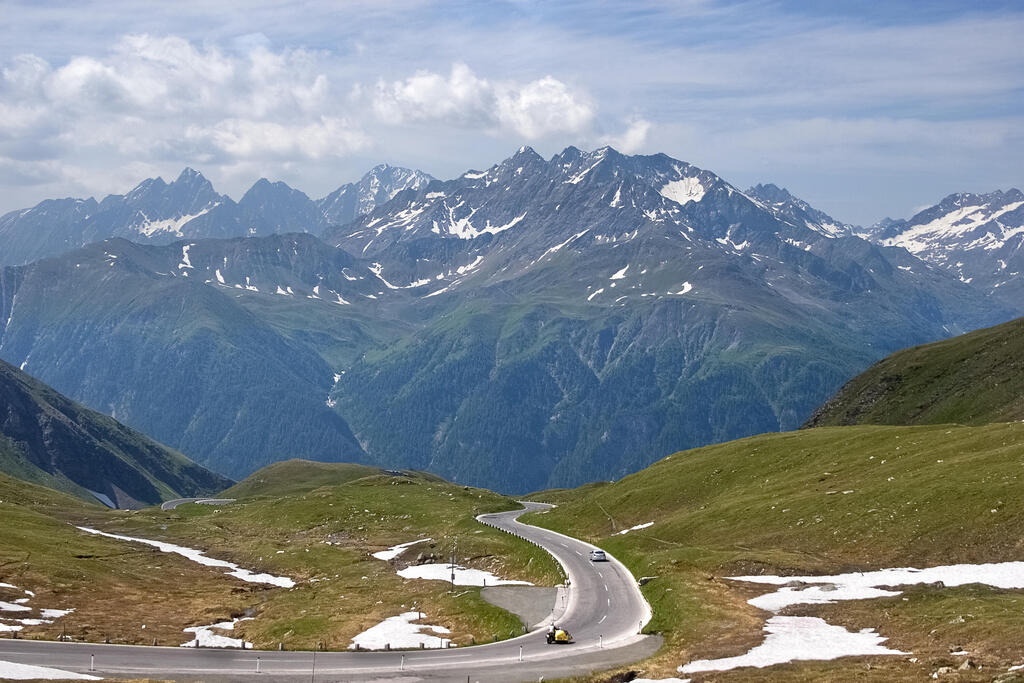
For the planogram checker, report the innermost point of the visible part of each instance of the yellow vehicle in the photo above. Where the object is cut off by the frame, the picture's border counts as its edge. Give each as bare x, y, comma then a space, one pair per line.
559, 636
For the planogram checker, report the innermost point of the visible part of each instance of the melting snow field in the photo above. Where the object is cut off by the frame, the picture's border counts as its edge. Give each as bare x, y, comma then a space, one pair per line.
201, 558
400, 632
396, 550
205, 637
811, 638
463, 576
795, 638
22, 672
860, 585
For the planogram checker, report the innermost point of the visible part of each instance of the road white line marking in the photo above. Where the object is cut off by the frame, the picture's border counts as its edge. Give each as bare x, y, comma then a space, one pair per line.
609, 602
600, 574
563, 545
602, 618
606, 587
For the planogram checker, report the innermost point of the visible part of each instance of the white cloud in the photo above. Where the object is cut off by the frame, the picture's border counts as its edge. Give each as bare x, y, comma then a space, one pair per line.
533, 110
543, 107
631, 140
461, 98
245, 139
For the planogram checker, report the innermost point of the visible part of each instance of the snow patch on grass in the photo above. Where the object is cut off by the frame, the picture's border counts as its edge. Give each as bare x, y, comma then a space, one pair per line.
205, 637
860, 585
23, 672
399, 632
199, 557
463, 576
811, 638
799, 638
396, 550
636, 528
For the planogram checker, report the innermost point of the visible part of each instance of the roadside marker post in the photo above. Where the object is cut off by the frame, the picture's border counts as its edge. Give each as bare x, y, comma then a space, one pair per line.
257, 665
92, 662
401, 667
520, 653
600, 640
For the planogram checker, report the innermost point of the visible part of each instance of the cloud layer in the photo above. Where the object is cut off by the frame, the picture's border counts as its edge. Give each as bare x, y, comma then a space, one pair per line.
863, 115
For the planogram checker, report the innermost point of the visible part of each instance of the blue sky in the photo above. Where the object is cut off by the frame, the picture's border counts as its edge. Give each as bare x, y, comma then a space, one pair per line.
863, 109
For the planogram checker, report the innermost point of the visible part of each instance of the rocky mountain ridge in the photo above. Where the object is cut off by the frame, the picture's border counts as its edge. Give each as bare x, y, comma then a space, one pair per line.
538, 323
158, 212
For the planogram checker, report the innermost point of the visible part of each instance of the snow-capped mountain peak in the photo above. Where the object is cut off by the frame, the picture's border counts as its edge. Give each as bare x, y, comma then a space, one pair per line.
980, 237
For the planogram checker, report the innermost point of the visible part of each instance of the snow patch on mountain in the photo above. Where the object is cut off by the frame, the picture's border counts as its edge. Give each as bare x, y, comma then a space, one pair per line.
185, 261
149, 228
683, 191
956, 231
618, 275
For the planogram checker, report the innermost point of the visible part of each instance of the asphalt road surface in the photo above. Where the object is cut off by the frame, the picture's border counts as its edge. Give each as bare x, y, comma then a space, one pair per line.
602, 608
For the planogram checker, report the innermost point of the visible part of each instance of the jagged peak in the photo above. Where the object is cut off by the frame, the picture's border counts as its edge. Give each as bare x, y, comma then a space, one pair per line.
772, 192
568, 155
188, 173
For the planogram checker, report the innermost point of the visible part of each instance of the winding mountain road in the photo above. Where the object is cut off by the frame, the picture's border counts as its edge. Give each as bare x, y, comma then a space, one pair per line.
603, 609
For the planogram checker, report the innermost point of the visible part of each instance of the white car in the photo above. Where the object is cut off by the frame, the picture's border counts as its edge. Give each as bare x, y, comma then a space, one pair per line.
598, 556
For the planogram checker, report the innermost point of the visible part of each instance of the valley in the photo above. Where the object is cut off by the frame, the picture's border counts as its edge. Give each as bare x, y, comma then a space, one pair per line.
800, 534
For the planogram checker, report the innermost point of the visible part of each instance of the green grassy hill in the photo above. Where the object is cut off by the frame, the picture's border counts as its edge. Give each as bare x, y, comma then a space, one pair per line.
125, 592
973, 379
317, 524
50, 440
818, 501
294, 476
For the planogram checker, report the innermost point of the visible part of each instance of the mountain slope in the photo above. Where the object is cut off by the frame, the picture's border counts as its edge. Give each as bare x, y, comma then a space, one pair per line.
974, 379
50, 440
977, 237
137, 332
605, 307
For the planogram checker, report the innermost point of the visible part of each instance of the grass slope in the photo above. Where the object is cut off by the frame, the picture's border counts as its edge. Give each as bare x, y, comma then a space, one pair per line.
50, 440
814, 502
113, 588
319, 526
294, 476
975, 379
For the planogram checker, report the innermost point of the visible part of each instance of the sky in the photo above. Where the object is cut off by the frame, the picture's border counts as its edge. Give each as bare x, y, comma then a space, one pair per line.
864, 109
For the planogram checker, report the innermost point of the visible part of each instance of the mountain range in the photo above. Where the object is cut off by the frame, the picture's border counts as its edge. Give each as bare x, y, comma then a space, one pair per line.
158, 212
542, 322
